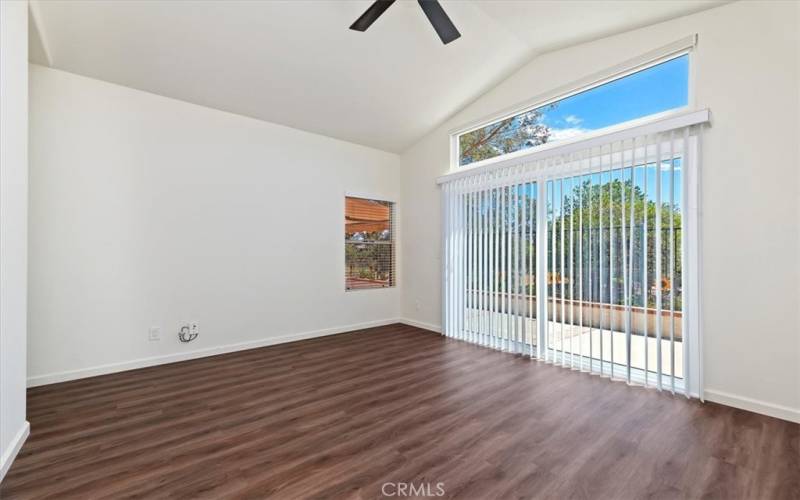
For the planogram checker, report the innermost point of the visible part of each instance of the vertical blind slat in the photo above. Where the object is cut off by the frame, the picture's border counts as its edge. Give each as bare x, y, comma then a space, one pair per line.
684, 205
611, 256
626, 267
484, 265
553, 280
581, 298
645, 275
630, 263
602, 274
658, 271
562, 214
541, 267
592, 296
523, 265
571, 272
504, 266
672, 260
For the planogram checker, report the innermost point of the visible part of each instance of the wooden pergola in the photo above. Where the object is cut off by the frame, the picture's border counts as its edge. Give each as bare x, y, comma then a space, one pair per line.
362, 215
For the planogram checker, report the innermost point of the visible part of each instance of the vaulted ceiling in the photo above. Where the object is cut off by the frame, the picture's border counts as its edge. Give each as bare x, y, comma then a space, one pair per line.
296, 62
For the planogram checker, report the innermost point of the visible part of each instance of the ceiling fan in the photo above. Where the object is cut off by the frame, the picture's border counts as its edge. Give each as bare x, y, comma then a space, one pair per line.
436, 15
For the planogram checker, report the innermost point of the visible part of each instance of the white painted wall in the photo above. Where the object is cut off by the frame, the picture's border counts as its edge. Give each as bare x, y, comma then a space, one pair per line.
147, 211
747, 74
13, 225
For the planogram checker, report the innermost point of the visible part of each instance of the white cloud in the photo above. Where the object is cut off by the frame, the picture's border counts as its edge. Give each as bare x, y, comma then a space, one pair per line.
559, 134
573, 120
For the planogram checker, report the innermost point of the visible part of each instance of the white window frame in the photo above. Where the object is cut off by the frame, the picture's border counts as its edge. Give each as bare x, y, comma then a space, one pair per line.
368, 195
676, 49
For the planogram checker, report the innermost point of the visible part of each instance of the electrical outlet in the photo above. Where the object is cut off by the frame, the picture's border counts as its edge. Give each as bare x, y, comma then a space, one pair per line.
418, 305
194, 328
154, 333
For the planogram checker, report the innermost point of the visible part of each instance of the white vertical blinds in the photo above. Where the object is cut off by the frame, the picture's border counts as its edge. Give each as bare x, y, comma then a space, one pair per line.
579, 258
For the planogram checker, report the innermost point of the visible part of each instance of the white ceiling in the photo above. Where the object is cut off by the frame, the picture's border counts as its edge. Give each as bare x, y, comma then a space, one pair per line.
297, 64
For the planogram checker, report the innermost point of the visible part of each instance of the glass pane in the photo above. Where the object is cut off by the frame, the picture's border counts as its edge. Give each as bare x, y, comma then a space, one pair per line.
501, 269
369, 253
660, 88
601, 239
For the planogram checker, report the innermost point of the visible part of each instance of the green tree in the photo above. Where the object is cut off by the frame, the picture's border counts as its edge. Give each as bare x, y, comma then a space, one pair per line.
506, 136
580, 211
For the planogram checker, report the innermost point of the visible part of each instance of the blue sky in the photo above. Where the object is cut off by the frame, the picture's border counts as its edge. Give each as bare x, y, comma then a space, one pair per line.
660, 88
654, 90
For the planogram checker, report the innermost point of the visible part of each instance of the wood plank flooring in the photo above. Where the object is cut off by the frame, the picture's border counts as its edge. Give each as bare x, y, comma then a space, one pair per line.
340, 416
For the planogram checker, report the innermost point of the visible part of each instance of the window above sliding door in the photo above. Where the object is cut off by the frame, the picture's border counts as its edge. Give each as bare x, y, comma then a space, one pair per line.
654, 89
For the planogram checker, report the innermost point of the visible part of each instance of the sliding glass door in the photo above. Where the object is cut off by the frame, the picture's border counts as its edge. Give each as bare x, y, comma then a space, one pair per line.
577, 259
490, 244
614, 271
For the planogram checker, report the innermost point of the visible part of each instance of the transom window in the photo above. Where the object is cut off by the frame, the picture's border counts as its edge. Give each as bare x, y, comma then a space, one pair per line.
656, 89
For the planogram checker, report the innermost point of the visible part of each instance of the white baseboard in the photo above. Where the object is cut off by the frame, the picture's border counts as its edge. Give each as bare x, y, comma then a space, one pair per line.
754, 405
421, 324
11, 453
65, 376
744, 403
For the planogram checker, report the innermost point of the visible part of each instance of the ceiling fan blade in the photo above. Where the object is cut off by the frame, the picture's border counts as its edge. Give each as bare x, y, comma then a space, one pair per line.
370, 15
441, 23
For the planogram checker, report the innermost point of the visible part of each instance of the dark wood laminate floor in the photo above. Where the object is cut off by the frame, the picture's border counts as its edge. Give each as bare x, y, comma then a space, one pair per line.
337, 417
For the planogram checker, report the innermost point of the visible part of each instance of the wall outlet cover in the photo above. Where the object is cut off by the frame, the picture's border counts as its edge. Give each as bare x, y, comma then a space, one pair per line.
154, 333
